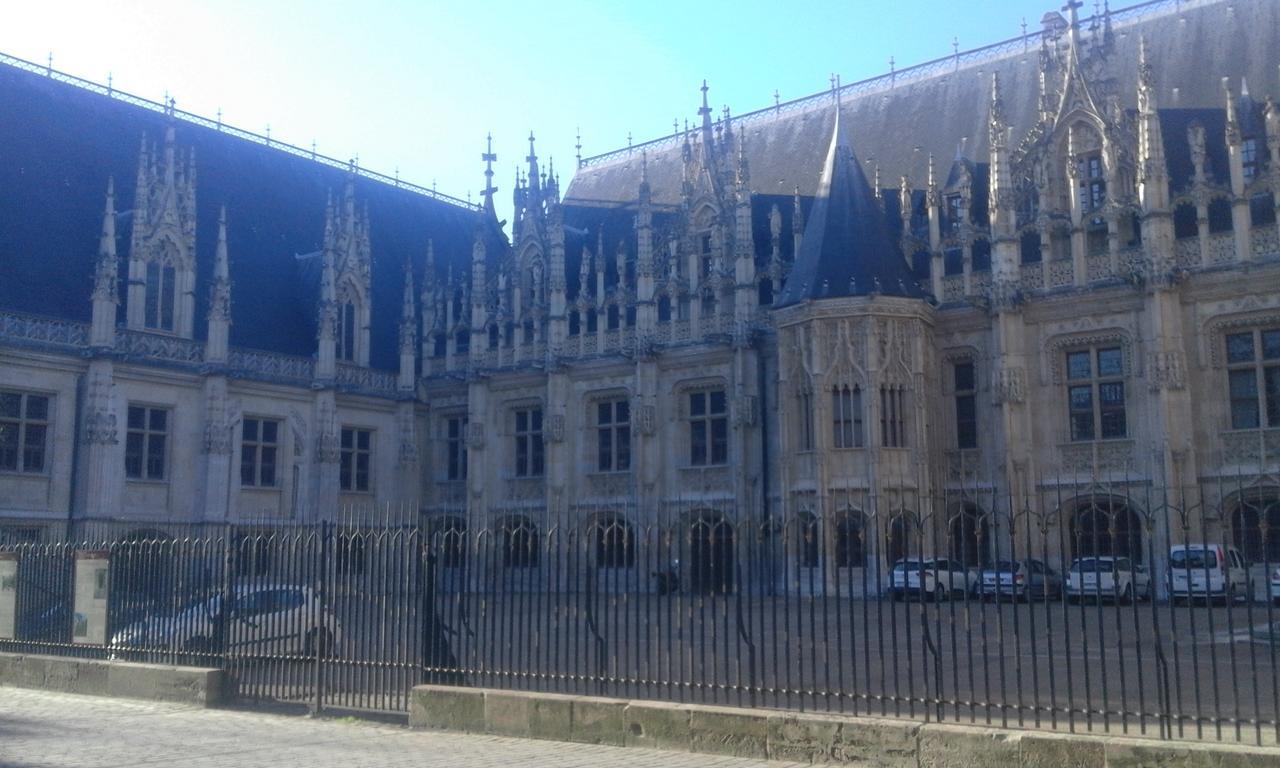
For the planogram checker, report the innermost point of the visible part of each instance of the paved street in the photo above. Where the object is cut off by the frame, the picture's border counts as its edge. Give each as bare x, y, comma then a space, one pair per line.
55, 730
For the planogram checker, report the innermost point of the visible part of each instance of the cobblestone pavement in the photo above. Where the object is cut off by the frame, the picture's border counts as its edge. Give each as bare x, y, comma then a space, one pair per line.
57, 730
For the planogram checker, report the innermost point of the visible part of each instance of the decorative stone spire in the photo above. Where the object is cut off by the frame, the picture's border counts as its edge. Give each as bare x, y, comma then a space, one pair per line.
489, 158
1233, 116
532, 159
219, 297
1001, 182
705, 112
327, 316
408, 332
106, 276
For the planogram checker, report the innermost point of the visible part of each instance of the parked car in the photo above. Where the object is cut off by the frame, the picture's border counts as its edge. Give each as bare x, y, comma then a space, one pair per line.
1026, 579
1275, 586
1108, 578
262, 619
1207, 571
935, 578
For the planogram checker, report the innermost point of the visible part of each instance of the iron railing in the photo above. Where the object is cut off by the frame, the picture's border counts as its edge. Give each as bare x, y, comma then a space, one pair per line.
1100, 606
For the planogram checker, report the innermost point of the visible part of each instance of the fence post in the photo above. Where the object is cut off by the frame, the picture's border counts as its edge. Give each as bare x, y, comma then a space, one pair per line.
322, 591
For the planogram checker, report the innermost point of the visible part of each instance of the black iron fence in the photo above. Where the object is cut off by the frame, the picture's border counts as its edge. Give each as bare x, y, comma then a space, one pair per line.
1114, 609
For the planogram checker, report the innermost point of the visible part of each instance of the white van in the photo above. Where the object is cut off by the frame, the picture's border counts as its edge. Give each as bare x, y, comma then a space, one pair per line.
1207, 571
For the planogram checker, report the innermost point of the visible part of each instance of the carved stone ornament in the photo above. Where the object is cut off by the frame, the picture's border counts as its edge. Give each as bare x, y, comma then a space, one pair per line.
1010, 386
217, 437
744, 411
475, 436
100, 427
1168, 371
327, 445
646, 419
555, 428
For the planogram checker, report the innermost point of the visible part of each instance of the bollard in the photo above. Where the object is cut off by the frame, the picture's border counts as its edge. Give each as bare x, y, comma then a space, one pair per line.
92, 585
8, 595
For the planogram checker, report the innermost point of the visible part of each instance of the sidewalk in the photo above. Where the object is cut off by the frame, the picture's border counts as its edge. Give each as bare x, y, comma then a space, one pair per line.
56, 730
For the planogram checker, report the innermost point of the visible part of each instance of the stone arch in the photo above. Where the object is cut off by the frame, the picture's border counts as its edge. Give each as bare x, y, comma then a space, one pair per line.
1106, 526
901, 536
848, 535
612, 541
1254, 517
969, 535
711, 553
519, 542
447, 540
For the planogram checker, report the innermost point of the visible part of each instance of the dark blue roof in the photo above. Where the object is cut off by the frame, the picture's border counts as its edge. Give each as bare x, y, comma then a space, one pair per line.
847, 249
58, 145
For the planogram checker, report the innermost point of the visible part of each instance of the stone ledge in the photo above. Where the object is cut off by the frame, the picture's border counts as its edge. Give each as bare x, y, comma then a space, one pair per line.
127, 680
802, 737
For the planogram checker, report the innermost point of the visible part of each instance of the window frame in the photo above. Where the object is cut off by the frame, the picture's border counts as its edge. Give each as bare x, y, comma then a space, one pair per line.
893, 417
529, 448
712, 448
23, 424
159, 302
147, 434
1258, 370
259, 445
807, 442
455, 445
848, 417
350, 452
613, 435
965, 398
1096, 383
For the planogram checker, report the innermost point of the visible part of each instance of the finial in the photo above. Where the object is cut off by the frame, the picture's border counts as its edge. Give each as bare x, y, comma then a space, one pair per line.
268, 134
48, 68
578, 146
219, 118
776, 99
109, 79
675, 126
628, 139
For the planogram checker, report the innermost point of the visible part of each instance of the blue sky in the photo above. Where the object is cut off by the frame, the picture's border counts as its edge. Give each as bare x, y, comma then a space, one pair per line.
415, 86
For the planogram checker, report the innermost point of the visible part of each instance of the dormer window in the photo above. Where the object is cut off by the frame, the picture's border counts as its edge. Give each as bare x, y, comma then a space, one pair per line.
955, 212
1093, 190
347, 332
161, 287
1249, 159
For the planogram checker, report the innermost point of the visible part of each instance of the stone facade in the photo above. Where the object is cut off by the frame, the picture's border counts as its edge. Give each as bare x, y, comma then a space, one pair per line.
1062, 345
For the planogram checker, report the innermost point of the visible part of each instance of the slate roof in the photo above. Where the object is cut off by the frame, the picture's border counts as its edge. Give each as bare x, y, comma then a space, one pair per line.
58, 145
1191, 49
846, 249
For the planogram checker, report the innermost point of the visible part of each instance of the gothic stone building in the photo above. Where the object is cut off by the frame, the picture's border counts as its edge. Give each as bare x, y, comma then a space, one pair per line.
1031, 288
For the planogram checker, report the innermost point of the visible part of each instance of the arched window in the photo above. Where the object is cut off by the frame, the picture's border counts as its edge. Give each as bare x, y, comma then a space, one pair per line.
900, 538
614, 540
1262, 209
448, 540
1030, 247
1184, 221
493, 337
463, 342
765, 293
593, 321
982, 255
612, 318
711, 553
519, 540
1219, 215
439, 343
1255, 528
849, 540
1103, 527
575, 322
348, 555
708, 302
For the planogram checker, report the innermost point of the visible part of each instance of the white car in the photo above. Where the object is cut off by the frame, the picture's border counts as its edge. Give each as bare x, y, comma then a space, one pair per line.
1207, 571
1275, 586
1108, 578
935, 578
263, 620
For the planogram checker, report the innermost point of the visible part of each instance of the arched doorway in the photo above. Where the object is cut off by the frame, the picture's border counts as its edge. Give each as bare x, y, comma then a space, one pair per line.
898, 539
518, 537
1255, 527
849, 543
1106, 527
613, 541
711, 554
447, 540
969, 537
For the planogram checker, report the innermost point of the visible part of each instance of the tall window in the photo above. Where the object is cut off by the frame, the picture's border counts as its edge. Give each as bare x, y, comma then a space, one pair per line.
708, 428
145, 443
456, 447
613, 436
893, 417
1253, 372
355, 459
846, 417
347, 332
259, 446
966, 406
529, 451
160, 288
850, 540
1095, 391
24, 424
804, 403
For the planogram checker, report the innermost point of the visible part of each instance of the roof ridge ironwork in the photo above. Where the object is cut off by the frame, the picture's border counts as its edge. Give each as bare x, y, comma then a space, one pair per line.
218, 125
914, 73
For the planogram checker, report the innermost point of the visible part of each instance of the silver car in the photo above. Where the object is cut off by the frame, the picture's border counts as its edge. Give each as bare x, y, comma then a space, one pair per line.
1108, 578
